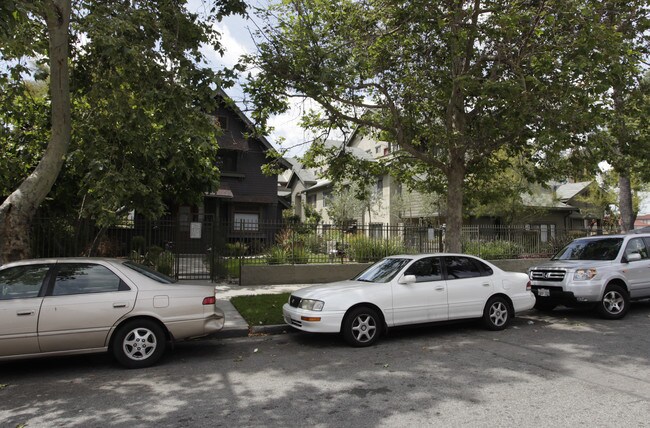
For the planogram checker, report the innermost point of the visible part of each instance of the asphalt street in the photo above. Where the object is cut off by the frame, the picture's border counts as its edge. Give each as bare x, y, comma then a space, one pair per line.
567, 368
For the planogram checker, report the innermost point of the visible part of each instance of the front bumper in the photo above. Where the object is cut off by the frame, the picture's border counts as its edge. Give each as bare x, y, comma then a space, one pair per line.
330, 322
576, 296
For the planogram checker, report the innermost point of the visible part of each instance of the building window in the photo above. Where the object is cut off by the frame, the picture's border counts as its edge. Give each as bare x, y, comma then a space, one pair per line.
246, 221
377, 148
227, 161
326, 197
223, 122
311, 200
380, 186
546, 232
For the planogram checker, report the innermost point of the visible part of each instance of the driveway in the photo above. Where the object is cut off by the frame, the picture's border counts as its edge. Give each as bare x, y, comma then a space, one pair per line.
561, 369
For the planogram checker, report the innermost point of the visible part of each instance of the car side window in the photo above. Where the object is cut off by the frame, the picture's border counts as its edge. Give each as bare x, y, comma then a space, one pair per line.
637, 246
425, 270
85, 278
485, 269
22, 282
461, 267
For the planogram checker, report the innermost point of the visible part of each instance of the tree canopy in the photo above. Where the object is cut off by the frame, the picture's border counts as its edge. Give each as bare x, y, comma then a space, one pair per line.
137, 100
451, 83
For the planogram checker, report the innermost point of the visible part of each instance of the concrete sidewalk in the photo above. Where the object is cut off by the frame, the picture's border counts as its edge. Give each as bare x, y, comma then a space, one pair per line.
235, 325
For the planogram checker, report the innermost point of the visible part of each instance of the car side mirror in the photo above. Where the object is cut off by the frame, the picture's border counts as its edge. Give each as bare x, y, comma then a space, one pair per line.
633, 257
407, 279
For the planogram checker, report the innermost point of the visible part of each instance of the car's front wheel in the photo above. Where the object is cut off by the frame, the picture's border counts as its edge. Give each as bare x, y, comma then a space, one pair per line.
615, 302
139, 344
496, 314
362, 326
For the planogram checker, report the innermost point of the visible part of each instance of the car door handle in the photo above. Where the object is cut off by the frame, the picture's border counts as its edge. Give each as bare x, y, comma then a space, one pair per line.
119, 305
24, 313
486, 284
439, 288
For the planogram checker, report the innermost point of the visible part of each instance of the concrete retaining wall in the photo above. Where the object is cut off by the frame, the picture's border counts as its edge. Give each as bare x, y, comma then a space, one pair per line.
315, 274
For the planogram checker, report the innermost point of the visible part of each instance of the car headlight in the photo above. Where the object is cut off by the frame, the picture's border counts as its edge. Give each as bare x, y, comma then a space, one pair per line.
584, 274
311, 305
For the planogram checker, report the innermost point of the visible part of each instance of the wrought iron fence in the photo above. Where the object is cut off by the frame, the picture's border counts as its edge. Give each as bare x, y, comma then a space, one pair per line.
208, 249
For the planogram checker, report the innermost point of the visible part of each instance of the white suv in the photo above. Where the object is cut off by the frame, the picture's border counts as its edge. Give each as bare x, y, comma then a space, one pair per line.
605, 271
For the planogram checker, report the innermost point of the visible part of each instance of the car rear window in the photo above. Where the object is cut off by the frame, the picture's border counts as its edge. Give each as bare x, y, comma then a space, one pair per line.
149, 273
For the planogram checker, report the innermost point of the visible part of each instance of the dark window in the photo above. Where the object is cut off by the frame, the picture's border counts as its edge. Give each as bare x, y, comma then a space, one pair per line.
227, 161
461, 267
85, 278
485, 269
427, 269
22, 282
223, 122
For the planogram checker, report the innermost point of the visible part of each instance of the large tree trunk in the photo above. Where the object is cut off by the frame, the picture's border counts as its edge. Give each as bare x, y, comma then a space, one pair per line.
625, 203
17, 211
455, 177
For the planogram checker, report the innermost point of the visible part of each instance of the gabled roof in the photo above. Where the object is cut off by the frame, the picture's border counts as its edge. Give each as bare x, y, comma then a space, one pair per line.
232, 106
298, 172
558, 196
568, 191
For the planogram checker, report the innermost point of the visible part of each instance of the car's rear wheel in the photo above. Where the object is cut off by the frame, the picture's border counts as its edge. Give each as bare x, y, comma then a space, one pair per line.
362, 326
496, 315
139, 344
544, 306
615, 302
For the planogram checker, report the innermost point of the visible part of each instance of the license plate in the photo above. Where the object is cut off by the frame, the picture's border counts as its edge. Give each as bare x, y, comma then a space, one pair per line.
543, 292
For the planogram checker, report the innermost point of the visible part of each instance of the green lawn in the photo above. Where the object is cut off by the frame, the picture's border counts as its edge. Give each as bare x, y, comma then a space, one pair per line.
262, 309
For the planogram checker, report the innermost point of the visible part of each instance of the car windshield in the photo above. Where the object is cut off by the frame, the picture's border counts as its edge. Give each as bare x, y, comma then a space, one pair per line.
590, 249
382, 271
149, 273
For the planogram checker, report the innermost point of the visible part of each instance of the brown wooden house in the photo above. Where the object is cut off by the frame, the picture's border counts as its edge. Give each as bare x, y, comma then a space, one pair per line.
245, 198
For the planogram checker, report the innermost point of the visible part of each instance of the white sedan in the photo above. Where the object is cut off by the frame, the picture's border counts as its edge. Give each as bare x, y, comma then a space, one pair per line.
403, 290
75, 306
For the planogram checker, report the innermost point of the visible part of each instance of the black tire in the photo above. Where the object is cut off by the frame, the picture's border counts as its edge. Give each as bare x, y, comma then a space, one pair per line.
496, 315
544, 306
139, 343
615, 302
362, 327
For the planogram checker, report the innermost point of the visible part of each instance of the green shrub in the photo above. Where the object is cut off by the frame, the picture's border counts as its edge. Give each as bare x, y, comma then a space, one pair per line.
493, 250
165, 263
277, 256
300, 256
364, 249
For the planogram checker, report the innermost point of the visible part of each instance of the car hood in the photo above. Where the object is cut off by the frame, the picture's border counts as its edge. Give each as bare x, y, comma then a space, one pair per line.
573, 264
323, 291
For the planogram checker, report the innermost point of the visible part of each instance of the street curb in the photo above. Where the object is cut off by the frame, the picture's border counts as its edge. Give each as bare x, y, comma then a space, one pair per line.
270, 329
248, 331
232, 332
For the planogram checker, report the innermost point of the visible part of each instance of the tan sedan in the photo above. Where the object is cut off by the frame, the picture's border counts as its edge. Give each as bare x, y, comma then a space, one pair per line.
75, 306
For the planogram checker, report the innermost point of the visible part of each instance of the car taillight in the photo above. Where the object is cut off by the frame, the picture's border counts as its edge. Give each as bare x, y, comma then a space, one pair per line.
528, 286
210, 300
